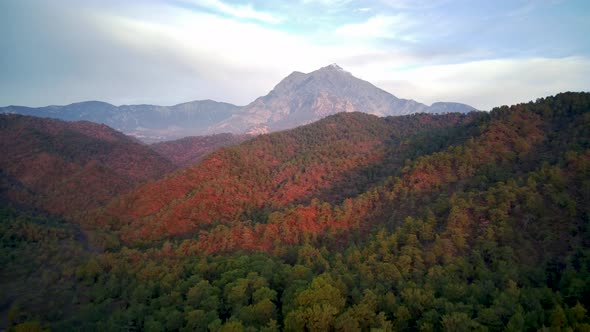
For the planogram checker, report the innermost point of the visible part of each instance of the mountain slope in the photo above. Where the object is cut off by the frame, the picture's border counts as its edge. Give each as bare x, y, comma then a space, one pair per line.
256, 187
189, 150
69, 167
147, 122
335, 158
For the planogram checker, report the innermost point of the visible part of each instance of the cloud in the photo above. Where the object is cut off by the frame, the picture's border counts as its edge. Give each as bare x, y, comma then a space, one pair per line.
130, 56
241, 11
378, 26
331, 3
229, 60
413, 4
56, 53
523, 10
488, 83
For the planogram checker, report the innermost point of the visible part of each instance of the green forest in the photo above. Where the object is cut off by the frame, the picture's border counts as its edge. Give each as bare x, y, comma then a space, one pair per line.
454, 222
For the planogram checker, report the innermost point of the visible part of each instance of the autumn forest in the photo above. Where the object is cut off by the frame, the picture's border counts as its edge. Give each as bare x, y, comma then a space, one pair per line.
473, 221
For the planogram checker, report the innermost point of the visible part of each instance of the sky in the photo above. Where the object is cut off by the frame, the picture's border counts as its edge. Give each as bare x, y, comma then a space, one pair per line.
480, 52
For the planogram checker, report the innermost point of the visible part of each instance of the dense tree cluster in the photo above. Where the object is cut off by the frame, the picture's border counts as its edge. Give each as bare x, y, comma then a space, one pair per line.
189, 150
340, 157
355, 223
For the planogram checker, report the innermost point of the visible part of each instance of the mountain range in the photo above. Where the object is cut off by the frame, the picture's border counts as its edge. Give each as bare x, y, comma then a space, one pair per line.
298, 99
149, 123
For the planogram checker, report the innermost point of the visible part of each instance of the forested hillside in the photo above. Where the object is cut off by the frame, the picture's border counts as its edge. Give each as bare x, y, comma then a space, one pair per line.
70, 167
259, 183
354, 223
189, 150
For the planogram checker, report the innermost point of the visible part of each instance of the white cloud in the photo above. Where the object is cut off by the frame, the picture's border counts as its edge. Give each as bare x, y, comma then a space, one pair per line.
242, 11
230, 60
378, 26
327, 2
413, 4
487, 83
129, 55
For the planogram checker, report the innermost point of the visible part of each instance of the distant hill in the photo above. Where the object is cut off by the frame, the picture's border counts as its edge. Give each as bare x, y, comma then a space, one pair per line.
446, 107
149, 123
297, 100
70, 167
189, 150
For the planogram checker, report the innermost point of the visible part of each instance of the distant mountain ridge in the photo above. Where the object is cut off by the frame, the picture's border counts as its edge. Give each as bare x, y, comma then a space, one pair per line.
149, 123
296, 100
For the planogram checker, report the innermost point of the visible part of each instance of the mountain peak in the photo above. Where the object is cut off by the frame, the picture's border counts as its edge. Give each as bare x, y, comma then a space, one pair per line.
333, 66
91, 104
304, 98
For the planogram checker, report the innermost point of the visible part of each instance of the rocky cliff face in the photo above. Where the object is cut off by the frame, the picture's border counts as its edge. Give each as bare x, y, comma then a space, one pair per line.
304, 98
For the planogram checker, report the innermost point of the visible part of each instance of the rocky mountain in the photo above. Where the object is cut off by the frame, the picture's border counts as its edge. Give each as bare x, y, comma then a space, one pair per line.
150, 123
69, 167
297, 100
304, 98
